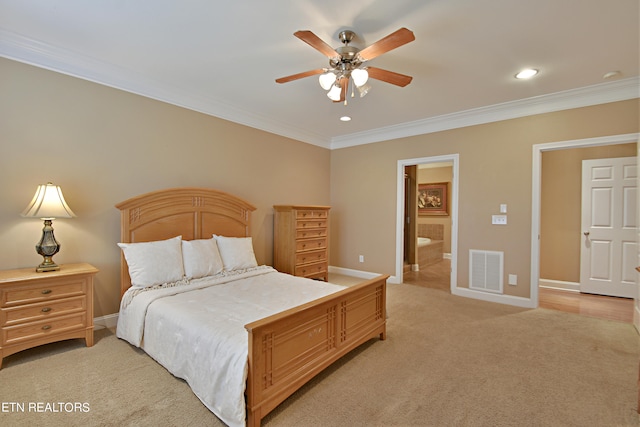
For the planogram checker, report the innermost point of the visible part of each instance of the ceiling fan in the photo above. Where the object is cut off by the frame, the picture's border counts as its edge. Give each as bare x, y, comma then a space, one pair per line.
348, 63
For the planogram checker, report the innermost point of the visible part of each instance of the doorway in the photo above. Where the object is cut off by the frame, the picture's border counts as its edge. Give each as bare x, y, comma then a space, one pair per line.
536, 216
428, 225
426, 162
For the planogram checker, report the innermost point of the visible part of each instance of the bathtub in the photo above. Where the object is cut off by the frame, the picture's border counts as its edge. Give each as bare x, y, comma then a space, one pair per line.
423, 241
429, 251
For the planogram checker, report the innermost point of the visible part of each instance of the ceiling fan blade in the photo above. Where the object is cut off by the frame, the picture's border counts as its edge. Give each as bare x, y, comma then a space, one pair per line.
392, 41
389, 76
300, 75
316, 42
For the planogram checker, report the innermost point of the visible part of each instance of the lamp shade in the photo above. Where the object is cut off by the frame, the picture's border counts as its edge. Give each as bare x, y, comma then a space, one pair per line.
48, 203
326, 80
359, 76
334, 93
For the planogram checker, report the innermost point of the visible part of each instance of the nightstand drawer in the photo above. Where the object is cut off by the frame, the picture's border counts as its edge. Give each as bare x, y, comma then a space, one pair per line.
32, 312
309, 245
309, 257
18, 295
311, 270
55, 325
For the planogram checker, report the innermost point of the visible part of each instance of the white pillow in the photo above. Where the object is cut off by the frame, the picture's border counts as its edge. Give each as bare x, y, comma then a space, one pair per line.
201, 258
236, 252
154, 263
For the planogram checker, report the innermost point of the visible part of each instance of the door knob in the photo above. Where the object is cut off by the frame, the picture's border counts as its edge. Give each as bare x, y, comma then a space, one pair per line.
586, 233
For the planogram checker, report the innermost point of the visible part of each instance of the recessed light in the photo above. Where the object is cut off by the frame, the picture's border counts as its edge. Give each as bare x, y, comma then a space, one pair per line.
526, 73
345, 119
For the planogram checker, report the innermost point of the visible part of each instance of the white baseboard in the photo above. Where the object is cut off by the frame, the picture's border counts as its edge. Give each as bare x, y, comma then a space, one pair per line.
559, 284
108, 321
636, 316
492, 297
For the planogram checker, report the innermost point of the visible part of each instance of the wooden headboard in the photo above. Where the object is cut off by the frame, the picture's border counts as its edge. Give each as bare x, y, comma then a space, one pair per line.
193, 213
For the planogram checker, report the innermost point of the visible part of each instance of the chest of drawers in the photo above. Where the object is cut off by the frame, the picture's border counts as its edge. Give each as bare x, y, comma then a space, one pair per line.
40, 308
301, 240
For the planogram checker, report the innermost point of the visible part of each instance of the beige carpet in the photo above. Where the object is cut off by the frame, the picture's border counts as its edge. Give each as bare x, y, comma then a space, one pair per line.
447, 361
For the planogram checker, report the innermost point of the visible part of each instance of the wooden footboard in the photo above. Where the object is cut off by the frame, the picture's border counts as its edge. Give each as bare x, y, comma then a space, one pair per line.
289, 348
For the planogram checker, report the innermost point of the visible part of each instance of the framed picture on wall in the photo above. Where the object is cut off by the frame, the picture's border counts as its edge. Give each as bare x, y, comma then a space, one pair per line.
433, 199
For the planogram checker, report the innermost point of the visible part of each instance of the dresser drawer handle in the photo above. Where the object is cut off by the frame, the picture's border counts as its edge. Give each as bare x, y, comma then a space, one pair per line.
46, 327
46, 291
46, 309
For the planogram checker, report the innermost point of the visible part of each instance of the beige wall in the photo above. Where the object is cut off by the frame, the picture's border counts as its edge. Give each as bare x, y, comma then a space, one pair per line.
434, 175
103, 146
495, 162
561, 206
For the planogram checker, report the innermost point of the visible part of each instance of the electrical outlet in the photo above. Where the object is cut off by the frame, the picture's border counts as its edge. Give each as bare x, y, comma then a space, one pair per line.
361, 258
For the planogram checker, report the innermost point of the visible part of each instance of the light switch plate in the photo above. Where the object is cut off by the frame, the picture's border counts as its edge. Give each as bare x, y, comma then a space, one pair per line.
503, 208
499, 219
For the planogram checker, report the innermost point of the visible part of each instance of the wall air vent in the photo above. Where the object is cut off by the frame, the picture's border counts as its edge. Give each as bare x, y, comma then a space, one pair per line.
485, 270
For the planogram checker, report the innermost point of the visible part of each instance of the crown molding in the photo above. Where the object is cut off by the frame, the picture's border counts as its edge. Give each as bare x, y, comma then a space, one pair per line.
33, 52
603, 93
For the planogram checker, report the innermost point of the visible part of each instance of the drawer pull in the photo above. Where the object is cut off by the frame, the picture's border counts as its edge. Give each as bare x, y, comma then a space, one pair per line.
46, 309
46, 327
46, 291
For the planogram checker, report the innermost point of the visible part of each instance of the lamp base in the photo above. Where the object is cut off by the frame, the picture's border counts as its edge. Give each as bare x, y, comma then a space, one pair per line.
48, 246
47, 265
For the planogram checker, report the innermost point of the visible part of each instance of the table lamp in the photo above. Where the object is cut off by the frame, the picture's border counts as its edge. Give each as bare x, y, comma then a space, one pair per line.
48, 204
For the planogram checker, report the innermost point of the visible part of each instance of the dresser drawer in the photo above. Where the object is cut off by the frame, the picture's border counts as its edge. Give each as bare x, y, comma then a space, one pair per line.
302, 224
308, 257
32, 330
42, 310
312, 270
311, 233
309, 245
311, 214
19, 295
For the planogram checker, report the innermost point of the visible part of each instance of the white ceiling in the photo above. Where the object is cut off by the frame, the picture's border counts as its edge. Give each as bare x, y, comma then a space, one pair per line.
222, 57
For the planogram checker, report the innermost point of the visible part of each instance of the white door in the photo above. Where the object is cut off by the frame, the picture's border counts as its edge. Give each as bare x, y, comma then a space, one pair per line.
609, 249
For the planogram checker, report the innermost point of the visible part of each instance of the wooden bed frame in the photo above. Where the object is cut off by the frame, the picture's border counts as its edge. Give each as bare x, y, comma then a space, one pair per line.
289, 348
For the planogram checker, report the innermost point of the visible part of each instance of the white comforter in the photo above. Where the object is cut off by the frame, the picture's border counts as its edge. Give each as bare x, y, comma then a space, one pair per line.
196, 329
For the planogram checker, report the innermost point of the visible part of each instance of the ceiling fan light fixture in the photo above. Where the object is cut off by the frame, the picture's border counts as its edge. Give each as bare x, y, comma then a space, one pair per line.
359, 76
327, 80
334, 93
363, 90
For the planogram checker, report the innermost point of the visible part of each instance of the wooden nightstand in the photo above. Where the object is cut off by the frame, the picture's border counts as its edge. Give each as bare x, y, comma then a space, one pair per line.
40, 308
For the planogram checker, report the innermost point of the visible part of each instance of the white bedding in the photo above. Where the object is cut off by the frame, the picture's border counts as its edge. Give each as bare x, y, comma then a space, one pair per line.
196, 329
